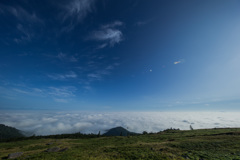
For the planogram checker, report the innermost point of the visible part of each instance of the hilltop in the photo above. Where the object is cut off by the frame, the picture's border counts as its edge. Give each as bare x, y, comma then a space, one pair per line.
118, 131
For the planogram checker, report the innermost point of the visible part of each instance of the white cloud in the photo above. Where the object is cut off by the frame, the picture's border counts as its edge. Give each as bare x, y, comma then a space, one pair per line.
116, 64
79, 9
112, 25
98, 75
180, 61
141, 23
26, 35
25, 21
13, 91
110, 67
74, 12
60, 94
37, 90
60, 100
65, 57
22, 15
73, 59
62, 91
177, 62
21, 91
102, 46
94, 76
109, 34
69, 75
87, 87
44, 123
61, 56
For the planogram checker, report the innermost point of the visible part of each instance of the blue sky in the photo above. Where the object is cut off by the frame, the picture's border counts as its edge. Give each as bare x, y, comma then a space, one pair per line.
128, 55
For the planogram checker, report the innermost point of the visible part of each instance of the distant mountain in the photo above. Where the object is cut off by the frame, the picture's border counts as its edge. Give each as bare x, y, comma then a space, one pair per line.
118, 131
7, 132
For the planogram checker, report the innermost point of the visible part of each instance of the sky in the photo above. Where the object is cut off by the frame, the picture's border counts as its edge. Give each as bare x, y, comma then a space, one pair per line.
119, 56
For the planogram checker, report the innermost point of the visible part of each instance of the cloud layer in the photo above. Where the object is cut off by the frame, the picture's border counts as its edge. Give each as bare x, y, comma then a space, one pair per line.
45, 123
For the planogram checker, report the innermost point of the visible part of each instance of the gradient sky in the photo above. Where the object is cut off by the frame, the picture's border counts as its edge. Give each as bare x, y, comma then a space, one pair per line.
125, 55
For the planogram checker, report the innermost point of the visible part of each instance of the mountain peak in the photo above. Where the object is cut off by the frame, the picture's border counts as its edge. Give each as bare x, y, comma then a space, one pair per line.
118, 131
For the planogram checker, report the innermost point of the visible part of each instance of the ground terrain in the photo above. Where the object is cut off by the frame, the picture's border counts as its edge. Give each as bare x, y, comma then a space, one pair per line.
169, 144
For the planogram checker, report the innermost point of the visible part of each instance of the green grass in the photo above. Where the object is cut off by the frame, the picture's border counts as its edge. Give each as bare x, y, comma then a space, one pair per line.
172, 144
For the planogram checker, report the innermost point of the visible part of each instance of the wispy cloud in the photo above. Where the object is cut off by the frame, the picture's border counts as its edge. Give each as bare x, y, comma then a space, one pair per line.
66, 91
21, 14
26, 35
44, 123
61, 56
94, 73
60, 100
110, 67
108, 34
89, 88
98, 75
62, 91
73, 59
75, 12
69, 75
94, 76
60, 94
25, 20
113, 25
141, 23
113, 36
37, 90
102, 46
21, 91
65, 57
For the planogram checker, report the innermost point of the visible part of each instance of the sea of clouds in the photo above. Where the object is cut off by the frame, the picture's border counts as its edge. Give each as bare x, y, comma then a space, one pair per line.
46, 123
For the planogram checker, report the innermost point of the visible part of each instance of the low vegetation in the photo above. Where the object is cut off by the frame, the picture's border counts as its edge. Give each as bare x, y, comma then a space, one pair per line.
169, 144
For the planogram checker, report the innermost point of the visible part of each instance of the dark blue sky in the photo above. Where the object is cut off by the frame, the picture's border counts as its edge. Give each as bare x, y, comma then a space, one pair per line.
119, 55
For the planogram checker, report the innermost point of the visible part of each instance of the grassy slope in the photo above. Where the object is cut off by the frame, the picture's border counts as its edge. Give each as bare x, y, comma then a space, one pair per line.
196, 144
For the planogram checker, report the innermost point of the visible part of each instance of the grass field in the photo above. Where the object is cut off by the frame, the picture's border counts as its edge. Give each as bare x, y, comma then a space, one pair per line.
171, 144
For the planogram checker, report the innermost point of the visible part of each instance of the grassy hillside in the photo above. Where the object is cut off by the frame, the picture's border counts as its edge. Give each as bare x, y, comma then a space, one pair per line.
170, 144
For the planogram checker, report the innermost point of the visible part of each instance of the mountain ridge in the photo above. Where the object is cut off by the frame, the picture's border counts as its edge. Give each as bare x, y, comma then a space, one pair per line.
7, 132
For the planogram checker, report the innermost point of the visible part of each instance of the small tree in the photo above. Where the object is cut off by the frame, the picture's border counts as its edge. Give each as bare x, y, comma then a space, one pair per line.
99, 133
145, 132
191, 128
